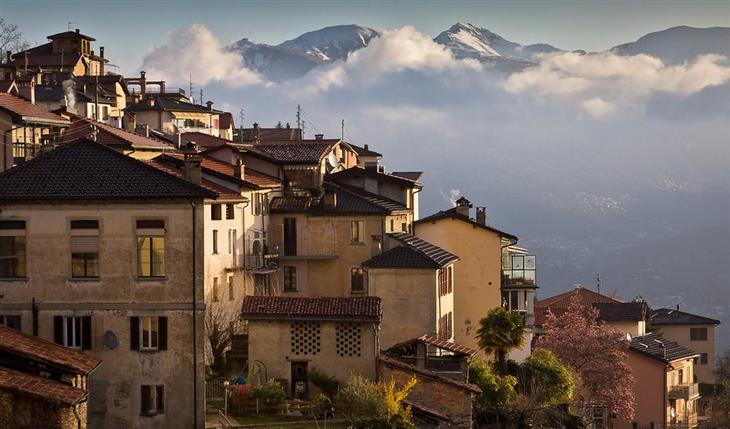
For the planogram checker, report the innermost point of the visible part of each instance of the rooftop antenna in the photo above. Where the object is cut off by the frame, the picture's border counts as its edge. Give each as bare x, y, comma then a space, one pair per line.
598, 283
190, 78
201, 97
343, 130
300, 123
68, 26
241, 115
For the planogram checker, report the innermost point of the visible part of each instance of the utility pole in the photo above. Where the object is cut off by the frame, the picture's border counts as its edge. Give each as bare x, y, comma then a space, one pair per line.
598, 283
241, 115
190, 88
201, 97
300, 123
96, 98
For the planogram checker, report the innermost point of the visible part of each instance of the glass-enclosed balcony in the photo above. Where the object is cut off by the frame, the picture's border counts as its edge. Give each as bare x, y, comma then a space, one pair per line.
518, 270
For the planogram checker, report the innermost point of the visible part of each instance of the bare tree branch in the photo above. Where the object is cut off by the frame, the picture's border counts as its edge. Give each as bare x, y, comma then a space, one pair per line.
11, 39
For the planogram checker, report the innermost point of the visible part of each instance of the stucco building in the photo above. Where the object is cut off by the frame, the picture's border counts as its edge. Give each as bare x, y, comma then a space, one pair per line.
101, 254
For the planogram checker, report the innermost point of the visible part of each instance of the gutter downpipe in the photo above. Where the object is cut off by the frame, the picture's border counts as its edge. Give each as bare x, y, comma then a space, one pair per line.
195, 327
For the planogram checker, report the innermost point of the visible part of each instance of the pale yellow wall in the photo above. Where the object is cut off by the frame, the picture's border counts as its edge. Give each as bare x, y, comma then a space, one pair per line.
685, 410
633, 328
411, 305
116, 296
270, 343
477, 273
681, 334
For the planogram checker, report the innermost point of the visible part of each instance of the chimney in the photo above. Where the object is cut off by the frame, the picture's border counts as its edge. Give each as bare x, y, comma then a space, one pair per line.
677, 307
482, 215
319, 136
209, 104
101, 63
330, 198
77, 31
256, 133
366, 146
9, 56
192, 163
132, 122
101, 52
178, 136
142, 83
146, 130
462, 206
238, 169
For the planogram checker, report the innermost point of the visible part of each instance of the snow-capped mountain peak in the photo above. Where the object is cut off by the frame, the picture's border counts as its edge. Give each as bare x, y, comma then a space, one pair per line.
331, 43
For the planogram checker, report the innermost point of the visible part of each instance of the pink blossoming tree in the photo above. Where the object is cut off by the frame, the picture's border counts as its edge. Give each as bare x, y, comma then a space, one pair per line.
598, 354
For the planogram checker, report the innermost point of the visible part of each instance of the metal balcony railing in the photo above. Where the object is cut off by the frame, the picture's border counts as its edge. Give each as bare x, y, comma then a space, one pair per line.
308, 243
265, 261
684, 391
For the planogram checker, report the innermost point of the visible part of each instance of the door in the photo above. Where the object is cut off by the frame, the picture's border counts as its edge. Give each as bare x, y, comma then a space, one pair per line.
290, 236
299, 380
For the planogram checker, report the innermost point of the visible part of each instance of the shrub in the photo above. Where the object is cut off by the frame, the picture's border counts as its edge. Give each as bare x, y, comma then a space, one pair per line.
370, 405
326, 383
270, 395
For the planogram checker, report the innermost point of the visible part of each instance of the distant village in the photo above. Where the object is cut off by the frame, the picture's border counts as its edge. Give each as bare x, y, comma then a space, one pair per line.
164, 267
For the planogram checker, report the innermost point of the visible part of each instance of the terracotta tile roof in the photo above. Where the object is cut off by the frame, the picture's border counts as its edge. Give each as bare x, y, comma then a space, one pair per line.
86, 170
251, 177
364, 151
29, 111
401, 257
70, 35
452, 214
439, 343
659, 348
37, 349
273, 134
387, 204
42, 55
223, 192
290, 204
393, 362
168, 104
372, 172
203, 140
422, 409
39, 387
434, 253
558, 304
304, 152
112, 136
360, 309
668, 316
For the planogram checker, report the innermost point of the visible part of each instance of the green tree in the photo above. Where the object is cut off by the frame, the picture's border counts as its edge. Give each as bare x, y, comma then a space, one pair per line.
497, 392
501, 331
546, 380
371, 405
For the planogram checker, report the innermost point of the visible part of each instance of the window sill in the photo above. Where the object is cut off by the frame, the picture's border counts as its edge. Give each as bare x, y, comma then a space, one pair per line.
149, 350
150, 414
357, 243
290, 291
84, 280
358, 292
151, 279
14, 279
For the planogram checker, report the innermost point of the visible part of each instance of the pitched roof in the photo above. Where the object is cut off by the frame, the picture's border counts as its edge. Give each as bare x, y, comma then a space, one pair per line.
348, 200
112, 136
222, 192
452, 214
622, 311
410, 175
558, 304
43, 56
251, 178
86, 170
28, 111
393, 362
439, 343
304, 152
428, 411
70, 35
39, 387
668, 316
374, 173
436, 254
401, 257
168, 104
46, 352
358, 309
273, 134
203, 140
657, 347
364, 150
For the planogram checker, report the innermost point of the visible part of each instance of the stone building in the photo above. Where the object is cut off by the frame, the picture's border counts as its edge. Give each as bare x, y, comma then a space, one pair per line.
42, 384
289, 337
101, 253
442, 396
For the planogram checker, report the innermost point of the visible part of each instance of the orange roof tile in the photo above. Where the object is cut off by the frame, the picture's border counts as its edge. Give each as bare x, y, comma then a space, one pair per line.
222, 191
109, 135
250, 175
39, 387
37, 349
29, 111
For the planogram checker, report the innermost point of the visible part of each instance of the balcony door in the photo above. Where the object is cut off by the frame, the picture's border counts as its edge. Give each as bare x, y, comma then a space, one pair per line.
290, 236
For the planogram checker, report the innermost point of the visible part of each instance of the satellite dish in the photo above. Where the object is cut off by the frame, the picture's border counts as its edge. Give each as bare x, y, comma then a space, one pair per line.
332, 159
110, 340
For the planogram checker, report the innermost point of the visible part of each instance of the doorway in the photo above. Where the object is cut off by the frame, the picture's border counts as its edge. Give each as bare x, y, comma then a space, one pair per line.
299, 380
290, 236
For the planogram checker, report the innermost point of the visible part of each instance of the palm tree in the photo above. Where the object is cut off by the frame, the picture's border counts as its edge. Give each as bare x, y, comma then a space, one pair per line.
501, 331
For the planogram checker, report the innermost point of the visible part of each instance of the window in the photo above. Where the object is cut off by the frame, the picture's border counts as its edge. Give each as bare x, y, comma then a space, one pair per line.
12, 249
446, 326
392, 225
357, 280
151, 248
703, 358
230, 288
290, 279
357, 231
230, 211
215, 212
404, 227
85, 248
10, 322
680, 373
231, 241
72, 331
256, 204
148, 333
215, 289
215, 241
445, 281
698, 334
152, 399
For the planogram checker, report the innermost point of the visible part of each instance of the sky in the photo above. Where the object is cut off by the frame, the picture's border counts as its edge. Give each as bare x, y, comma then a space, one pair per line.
128, 29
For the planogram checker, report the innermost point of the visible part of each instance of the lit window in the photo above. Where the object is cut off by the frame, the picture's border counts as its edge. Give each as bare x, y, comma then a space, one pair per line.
357, 280
357, 231
12, 249
151, 248
85, 248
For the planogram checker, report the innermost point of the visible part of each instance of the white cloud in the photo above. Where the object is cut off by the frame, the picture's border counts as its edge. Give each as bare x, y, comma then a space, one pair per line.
195, 52
597, 107
406, 113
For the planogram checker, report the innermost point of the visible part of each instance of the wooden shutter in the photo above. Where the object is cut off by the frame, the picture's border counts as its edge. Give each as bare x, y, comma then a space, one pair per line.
160, 398
58, 329
134, 333
162, 333
86, 333
145, 402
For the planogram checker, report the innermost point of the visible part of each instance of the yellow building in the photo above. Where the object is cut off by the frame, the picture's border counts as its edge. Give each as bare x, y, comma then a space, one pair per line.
291, 337
665, 390
102, 253
479, 269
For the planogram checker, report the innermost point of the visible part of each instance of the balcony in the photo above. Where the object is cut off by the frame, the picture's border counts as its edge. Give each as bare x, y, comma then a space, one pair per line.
519, 271
686, 392
261, 263
307, 243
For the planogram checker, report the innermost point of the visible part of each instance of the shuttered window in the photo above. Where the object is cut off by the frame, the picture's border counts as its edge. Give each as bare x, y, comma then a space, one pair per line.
152, 399
148, 333
72, 331
85, 248
151, 248
12, 249
10, 322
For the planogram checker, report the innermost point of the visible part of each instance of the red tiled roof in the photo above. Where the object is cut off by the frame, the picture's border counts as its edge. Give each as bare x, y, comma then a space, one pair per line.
287, 152
37, 349
222, 191
416, 406
559, 303
203, 140
29, 111
360, 309
39, 387
6, 85
250, 175
109, 135
393, 362
273, 134
438, 342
